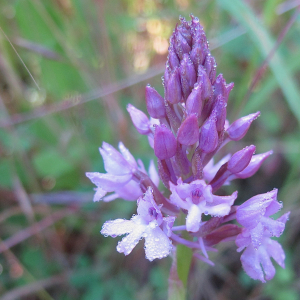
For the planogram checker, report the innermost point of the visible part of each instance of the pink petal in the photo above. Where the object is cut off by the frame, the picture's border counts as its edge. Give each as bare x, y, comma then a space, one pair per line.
130, 191
250, 212
127, 155
139, 119
273, 208
243, 240
229, 200
168, 224
100, 193
284, 218
276, 252
111, 197
266, 263
108, 182
153, 173
273, 226
251, 264
114, 162
257, 235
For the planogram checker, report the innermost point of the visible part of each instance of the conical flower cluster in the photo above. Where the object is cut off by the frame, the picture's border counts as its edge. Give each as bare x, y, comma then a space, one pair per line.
186, 128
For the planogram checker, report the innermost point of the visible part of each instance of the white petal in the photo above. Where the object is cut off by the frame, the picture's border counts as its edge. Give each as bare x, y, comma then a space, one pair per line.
117, 227
193, 218
157, 244
108, 182
130, 241
220, 210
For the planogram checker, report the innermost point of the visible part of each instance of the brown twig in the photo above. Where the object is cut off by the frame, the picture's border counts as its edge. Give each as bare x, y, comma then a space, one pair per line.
34, 287
26, 233
15, 210
23, 198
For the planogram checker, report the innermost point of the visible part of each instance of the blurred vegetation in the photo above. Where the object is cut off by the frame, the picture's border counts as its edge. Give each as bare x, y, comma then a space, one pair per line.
89, 60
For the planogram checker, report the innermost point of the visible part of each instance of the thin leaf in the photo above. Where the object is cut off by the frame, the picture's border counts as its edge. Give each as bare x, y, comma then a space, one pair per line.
261, 37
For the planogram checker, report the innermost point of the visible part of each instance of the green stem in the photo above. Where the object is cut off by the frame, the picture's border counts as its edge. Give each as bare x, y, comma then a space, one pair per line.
180, 269
177, 290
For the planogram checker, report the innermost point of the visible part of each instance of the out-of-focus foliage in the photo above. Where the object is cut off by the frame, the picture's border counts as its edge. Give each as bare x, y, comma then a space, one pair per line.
106, 52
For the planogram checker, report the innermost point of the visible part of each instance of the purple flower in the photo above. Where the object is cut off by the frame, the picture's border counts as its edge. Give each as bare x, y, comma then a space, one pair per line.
197, 198
186, 129
257, 261
149, 224
120, 168
254, 215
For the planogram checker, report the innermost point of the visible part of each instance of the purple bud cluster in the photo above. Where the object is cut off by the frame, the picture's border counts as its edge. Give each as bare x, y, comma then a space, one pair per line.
186, 128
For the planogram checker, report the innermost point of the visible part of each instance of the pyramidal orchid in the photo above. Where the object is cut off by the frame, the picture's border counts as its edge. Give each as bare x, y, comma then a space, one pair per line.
186, 128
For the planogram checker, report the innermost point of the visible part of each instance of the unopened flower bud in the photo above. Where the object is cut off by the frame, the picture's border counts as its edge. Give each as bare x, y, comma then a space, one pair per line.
254, 165
203, 79
198, 55
241, 159
238, 129
139, 120
185, 30
174, 93
155, 103
181, 45
210, 65
194, 102
187, 75
188, 132
173, 60
208, 140
221, 88
220, 108
164, 142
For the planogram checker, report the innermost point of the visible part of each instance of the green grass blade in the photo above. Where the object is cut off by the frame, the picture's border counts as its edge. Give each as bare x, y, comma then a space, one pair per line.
261, 37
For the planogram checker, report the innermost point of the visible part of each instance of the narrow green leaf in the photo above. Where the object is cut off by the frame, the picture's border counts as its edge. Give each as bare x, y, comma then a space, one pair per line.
261, 37
184, 258
269, 85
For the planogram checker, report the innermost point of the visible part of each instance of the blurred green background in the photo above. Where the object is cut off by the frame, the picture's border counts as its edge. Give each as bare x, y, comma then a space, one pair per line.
89, 60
